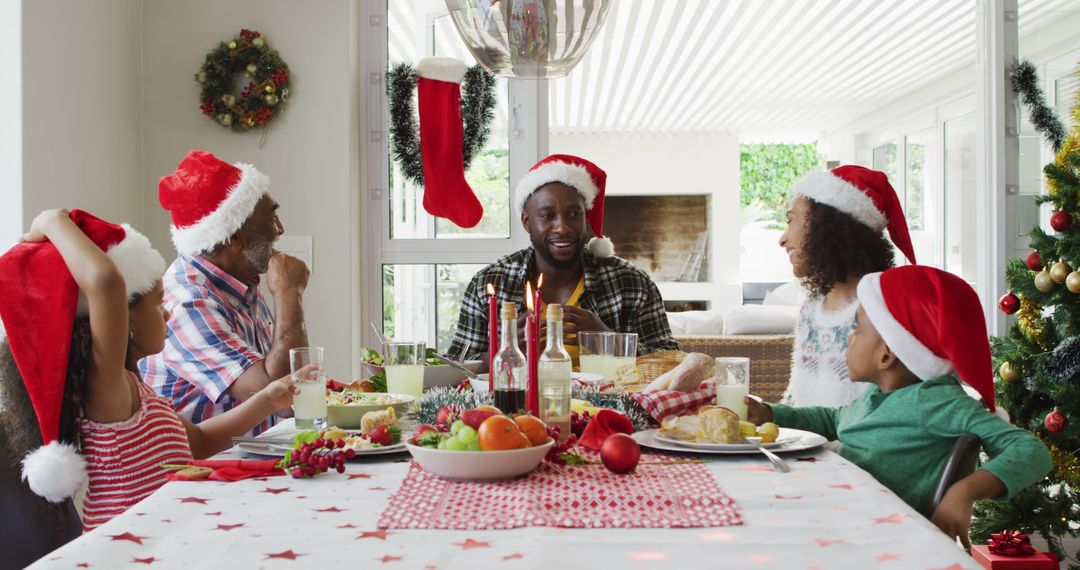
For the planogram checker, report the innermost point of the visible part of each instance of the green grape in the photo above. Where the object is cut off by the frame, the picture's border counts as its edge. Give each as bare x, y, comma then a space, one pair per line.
456, 427
474, 446
442, 443
455, 444
466, 435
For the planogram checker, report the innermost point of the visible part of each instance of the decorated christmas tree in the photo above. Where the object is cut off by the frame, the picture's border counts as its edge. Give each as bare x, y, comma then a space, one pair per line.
1039, 359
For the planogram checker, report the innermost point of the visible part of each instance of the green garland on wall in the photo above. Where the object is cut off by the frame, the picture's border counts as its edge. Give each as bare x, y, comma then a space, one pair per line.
477, 112
1025, 81
262, 99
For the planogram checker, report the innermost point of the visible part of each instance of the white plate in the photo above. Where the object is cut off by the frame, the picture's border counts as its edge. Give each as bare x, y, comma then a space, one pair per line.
481, 383
790, 440
722, 446
278, 450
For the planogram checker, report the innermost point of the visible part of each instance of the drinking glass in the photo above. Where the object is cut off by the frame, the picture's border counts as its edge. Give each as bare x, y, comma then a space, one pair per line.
624, 352
595, 349
733, 383
309, 406
404, 362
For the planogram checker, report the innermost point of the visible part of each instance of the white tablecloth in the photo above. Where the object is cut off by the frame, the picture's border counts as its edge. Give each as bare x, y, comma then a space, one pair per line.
826, 513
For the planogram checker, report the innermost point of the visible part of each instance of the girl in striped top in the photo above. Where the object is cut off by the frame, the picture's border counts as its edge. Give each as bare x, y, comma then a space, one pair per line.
124, 431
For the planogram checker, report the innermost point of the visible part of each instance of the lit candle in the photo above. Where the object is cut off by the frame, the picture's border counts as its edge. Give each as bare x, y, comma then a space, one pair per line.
532, 346
493, 336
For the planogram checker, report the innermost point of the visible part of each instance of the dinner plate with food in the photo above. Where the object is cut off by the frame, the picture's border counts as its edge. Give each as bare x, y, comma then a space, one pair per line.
379, 434
715, 429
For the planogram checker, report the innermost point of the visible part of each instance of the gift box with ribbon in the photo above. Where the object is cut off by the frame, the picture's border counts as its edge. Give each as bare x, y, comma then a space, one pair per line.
1012, 550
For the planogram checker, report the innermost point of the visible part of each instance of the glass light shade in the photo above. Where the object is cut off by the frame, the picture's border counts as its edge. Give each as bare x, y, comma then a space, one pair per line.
528, 39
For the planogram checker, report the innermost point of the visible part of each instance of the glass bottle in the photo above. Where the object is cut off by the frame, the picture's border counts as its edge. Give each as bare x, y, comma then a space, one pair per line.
554, 376
510, 368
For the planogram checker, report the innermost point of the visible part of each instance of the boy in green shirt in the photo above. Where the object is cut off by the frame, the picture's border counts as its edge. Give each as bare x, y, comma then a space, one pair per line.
918, 328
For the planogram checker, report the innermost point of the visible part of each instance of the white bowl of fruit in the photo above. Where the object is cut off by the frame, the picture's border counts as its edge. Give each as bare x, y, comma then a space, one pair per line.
482, 445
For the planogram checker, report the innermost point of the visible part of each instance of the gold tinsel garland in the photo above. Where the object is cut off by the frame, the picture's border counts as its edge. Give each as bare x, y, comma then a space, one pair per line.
1066, 464
1029, 319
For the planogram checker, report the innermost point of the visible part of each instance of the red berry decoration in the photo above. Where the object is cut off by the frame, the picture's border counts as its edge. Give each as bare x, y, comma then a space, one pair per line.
1055, 421
1009, 303
1061, 221
1033, 262
620, 453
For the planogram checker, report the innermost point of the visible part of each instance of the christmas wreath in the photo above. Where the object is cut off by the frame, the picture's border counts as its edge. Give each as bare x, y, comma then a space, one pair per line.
262, 99
477, 112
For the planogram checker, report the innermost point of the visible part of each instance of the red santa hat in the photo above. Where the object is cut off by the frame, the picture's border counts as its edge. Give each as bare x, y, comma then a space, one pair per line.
933, 321
865, 195
581, 175
38, 304
209, 200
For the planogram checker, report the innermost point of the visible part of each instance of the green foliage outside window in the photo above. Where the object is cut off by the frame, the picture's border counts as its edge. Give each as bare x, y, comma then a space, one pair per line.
766, 173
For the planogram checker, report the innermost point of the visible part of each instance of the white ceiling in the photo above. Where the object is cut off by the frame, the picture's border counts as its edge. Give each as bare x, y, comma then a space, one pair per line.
695, 66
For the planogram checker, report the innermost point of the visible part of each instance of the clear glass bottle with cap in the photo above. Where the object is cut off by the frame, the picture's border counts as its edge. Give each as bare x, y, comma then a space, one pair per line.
510, 368
554, 375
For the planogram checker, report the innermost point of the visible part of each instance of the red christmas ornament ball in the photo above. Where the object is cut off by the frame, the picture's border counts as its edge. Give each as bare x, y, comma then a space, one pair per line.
1033, 262
1055, 421
620, 453
1009, 303
1061, 221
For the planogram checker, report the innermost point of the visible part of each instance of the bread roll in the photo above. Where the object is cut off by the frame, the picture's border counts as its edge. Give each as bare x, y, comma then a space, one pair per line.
687, 376
718, 425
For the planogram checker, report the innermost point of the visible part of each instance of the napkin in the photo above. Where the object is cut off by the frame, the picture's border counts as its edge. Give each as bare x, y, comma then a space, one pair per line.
603, 424
233, 469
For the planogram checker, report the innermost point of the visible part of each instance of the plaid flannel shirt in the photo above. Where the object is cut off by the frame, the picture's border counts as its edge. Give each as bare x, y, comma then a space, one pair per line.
621, 295
218, 328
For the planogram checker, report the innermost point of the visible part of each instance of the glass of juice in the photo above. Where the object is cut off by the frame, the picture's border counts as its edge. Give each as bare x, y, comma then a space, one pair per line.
595, 350
732, 383
623, 353
404, 362
309, 406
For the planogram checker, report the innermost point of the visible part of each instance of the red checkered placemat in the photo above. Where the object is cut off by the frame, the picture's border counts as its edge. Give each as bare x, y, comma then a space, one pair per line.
663, 403
666, 494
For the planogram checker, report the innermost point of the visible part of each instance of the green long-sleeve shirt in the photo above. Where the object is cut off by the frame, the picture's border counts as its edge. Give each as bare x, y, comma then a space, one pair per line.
904, 437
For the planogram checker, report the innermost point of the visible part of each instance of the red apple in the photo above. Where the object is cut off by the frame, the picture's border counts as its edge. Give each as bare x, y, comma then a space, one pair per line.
620, 453
423, 428
474, 417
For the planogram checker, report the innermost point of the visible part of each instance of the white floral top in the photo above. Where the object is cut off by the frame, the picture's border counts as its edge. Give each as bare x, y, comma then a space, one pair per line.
819, 372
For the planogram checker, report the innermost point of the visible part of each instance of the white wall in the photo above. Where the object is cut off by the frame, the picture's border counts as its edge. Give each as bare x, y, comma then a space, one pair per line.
11, 118
80, 101
312, 153
691, 164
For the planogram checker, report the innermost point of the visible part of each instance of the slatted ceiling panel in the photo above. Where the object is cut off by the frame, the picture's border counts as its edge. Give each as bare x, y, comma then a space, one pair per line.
690, 66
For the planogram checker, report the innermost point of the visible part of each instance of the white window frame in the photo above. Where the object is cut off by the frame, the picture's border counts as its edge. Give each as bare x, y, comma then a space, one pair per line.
528, 142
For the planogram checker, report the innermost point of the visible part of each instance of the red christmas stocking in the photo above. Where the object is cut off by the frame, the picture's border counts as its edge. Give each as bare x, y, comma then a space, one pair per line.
446, 193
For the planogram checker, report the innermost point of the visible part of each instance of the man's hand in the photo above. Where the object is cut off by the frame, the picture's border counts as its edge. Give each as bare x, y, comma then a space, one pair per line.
953, 513
576, 319
286, 274
757, 413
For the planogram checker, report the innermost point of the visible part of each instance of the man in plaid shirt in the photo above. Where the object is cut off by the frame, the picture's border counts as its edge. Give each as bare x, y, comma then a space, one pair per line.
560, 199
223, 343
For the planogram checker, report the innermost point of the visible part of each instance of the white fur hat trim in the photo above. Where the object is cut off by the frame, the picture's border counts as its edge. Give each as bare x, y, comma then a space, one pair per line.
139, 264
573, 176
827, 188
54, 471
921, 361
218, 226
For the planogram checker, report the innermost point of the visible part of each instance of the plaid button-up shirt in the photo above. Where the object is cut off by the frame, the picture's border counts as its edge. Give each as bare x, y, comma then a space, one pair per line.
218, 328
621, 295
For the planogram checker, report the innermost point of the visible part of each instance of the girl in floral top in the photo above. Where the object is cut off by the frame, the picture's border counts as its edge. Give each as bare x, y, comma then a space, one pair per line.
834, 237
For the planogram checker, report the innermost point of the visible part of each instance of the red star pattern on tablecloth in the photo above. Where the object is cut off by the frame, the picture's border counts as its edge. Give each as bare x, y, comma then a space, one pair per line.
149, 560
643, 555
352, 476
330, 510
808, 459
847, 486
953, 567
377, 489
761, 558
214, 514
389, 558
514, 556
469, 544
887, 557
825, 543
128, 536
347, 525
288, 555
756, 468
193, 500
380, 534
717, 535
895, 518
228, 526
277, 491
784, 498
82, 565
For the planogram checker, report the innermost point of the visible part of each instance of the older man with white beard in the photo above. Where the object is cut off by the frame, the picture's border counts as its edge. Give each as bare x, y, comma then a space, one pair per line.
224, 344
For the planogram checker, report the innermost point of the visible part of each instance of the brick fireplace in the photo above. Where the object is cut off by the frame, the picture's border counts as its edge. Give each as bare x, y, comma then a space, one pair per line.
665, 235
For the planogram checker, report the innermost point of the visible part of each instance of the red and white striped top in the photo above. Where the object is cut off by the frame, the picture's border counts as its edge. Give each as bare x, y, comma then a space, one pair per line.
123, 459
